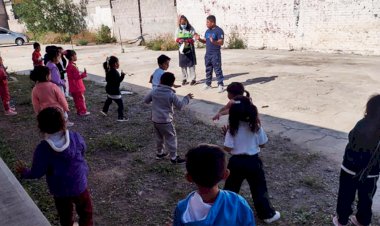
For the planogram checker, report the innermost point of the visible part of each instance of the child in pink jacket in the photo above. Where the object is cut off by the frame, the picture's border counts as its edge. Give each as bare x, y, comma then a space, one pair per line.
4, 91
76, 86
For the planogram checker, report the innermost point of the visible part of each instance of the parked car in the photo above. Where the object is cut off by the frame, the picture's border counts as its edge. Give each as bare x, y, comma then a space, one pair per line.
10, 37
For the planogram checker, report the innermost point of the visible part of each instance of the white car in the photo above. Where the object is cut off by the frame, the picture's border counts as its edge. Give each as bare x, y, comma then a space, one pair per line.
10, 37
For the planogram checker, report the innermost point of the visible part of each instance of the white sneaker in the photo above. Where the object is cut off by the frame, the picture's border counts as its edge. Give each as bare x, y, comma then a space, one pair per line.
220, 89
85, 114
276, 216
10, 112
69, 124
206, 87
123, 119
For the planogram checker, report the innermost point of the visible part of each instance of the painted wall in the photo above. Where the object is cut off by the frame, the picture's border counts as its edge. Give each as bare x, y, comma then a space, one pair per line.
98, 13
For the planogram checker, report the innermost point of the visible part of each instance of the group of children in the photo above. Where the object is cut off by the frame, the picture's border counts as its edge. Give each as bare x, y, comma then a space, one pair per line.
60, 155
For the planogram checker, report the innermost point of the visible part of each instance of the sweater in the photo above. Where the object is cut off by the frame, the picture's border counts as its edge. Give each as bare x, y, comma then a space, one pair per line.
37, 59
163, 99
113, 79
61, 158
47, 94
229, 209
75, 78
55, 74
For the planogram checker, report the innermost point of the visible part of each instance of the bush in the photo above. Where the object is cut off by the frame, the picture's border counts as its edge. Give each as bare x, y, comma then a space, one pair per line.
90, 37
235, 42
162, 43
82, 42
104, 35
53, 38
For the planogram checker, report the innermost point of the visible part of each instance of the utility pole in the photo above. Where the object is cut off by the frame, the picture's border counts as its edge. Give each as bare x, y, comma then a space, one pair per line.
140, 20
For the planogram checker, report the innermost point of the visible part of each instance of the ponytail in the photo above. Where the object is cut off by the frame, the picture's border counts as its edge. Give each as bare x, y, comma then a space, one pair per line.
110, 63
247, 93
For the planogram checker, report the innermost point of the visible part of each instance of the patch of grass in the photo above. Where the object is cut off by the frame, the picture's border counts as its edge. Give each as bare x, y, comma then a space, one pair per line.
166, 169
162, 43
82, 42
235, 42
312, 182
302, 216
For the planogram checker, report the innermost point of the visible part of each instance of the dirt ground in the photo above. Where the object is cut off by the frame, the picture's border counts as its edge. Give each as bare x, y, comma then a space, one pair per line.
130, 187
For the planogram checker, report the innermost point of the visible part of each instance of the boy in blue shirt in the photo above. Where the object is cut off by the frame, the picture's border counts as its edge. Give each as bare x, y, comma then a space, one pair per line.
206, 166
214, 39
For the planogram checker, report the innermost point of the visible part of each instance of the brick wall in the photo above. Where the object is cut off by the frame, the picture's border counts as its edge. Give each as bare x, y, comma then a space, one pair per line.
351, 26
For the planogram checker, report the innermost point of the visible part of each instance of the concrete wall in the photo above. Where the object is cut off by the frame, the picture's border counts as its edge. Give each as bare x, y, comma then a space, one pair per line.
351, 26
98, 13
3, 16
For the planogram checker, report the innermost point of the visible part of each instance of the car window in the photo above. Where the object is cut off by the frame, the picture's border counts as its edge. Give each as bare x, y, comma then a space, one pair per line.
3, 32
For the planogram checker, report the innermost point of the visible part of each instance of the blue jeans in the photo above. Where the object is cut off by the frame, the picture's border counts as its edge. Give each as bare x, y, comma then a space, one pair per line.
213, 62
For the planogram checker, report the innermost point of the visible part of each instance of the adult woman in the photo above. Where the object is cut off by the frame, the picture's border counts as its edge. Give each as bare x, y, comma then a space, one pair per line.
187, 58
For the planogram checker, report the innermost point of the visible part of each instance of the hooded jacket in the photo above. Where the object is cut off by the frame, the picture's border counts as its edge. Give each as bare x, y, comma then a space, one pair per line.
113, 79
75, 78
61, 158
163, 99
55, 74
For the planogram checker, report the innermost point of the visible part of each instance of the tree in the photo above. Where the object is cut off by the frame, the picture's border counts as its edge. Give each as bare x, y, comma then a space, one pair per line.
59, 16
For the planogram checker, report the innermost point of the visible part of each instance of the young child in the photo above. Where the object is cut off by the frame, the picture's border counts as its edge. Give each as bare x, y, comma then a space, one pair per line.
53, 56
113, 79
163, 65
62, 66
234, 89
46, 94
206, 166
76, 85
60, 156
360, 168
163, 99
243, 140
36, 56
4, 91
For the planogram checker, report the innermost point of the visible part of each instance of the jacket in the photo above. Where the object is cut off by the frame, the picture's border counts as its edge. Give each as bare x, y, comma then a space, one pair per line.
163, 99
113, 79
61, 158
47, 94
75, 78
55, 74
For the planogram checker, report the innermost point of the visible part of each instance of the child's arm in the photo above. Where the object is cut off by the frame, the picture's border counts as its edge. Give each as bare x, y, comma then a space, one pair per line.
180, 103
3, 74
228, 139
35, 101
56, 77
122, 76
223, 111
39, 165
148, 98
61, 99
151, 79
263, 139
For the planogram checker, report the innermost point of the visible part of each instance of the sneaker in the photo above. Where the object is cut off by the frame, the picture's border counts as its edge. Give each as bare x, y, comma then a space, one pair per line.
220, 89
178, 160
162, 156
103, 113
10, 112
69, 124
184, 82
12, 108
275, 217
85, 114
123, 119
336, 222
206, 87
355, 221
193, 83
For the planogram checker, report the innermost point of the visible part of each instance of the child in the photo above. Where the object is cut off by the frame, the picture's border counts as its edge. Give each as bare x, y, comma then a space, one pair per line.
163, 99
113, 79
36, 56
360, 168
76, 85
243, 140
61, 65
163, 65
234, 89
206, 166
46, 94
53, 56
60, 156
4, 91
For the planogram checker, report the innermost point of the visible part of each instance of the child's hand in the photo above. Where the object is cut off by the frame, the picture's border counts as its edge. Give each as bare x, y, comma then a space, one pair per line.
176, 86
122, 73
196, 36
216, 117
225, 129
85, 71
20, 167
190, 95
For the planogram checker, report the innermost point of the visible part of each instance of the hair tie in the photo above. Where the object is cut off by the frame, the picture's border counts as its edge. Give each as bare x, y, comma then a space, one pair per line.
236, 102
108, 62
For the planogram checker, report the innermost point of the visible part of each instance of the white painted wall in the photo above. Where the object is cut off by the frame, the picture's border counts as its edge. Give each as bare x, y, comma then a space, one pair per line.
98, 12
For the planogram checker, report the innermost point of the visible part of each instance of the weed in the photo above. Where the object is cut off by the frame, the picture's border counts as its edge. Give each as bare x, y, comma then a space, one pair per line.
82, 42
235, 42
162, 43
311, 182
104, 35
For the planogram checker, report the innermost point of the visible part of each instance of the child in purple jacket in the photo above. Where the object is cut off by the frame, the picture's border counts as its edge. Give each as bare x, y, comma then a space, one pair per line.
60, 156
53, 56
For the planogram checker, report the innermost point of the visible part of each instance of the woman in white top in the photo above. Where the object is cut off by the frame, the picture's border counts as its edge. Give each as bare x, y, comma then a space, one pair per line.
243, 140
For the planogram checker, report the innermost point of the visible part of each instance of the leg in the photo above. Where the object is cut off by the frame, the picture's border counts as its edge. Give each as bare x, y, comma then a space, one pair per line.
217, 65
4, 93
79, 103
65, 210
184, 74
192, 75
83, 206
236, 177
209, 69
120, 109
258, 187
366, 191
159, 139
170, 138
107, 105
346, 196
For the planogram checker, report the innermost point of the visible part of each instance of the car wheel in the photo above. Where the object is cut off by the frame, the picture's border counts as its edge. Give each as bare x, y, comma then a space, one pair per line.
19, 41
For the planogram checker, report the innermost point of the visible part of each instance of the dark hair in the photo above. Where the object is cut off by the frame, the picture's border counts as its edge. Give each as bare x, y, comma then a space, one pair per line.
110, 63
52, 53
243, 110
237, 89
162, 59
372, 110
36, 45
188, 27
51, 120
167, 78
206, 164
50, 48
212, 18
59, 48
70, 53
40, 74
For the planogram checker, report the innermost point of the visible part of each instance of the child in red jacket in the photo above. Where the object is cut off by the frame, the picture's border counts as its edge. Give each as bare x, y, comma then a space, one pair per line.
76, 86
4, 91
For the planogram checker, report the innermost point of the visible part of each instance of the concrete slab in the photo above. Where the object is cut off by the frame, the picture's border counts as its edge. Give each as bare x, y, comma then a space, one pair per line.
311, 98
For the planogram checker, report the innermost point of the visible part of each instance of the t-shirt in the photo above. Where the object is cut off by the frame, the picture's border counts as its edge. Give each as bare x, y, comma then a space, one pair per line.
37, 59
157, 77
245, 141
216, 33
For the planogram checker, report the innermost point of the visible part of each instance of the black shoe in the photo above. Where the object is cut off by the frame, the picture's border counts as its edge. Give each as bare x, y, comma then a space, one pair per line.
161, 156
184, 82
178, 160
193, 83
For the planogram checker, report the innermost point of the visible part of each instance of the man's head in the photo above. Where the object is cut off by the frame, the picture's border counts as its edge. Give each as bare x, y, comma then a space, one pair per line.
211, 22
163, 62
167, 79
206, 165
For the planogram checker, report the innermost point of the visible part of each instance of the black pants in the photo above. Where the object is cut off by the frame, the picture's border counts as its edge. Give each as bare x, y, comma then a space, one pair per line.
348, 185
250, 167
119, 103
